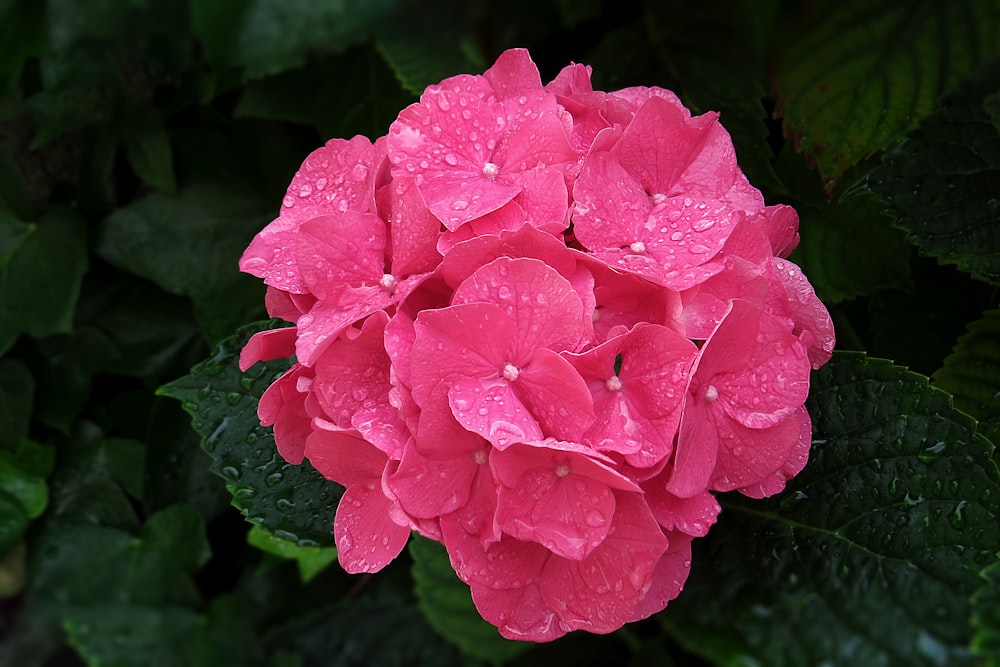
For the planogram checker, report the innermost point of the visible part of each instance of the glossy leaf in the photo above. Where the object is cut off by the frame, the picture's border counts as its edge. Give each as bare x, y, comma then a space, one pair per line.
880, 576
189, 244
427, 43
41, 271
294, 503
972, 373
856, 76
386, 631
311, 560
849, 249
941, 185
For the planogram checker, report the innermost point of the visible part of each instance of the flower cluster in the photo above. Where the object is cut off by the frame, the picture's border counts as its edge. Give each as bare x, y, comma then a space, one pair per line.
540, 324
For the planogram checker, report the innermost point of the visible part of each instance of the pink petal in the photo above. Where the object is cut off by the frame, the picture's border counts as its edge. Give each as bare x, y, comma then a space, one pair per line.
556, 395
429, 487
782, 228
344, 457
366, 536
283, 405
761, 460
281, 304
543, 306
757, 366
692, 516
527, 241
502, 565
812, 320
339, 251
696, 452
513, 73
267, 345
270, 256
333, 179
413, 230
465, 340
492, 409
668, 577
568, 514
660, 144
602, 592
520, 613
326, 320
611, 206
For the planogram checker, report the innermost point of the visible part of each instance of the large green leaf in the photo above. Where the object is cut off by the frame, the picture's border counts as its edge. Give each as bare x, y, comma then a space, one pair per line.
855, 76
447, 603
190, 244
871, 554
428, 42
385, 631
294, 502
972, 373
41, 270
941, 184
365, 100
850, 249
269, 36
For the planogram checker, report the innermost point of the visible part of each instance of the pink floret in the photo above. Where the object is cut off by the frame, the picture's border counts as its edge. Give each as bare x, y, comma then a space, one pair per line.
543, 325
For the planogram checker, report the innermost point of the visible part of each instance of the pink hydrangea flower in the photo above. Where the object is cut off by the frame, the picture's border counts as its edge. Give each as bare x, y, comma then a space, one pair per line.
543, 325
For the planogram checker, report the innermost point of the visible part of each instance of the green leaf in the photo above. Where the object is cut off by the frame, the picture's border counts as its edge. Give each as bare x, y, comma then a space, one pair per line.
28, 489
41, 270
986, 617
147, 147
109, 634
366, 99
849, 249
95, 478
78, 88
388, 632
189, 244
179, 533
294, 503
941, 184
269, 36
311, 560
856, 76
447, 604
17, 388
871, 554
79, 563
427, 43
972, 373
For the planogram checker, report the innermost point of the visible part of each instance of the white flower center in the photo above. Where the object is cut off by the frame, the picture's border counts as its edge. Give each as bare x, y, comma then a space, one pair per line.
388, 282
614, 383
562, 470
510, 372
491, 170
638, 247
711, 393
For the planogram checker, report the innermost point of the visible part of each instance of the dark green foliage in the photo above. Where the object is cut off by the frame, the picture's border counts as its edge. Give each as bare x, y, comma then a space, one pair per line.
295, 503
941, 184
884, 574
142, 145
